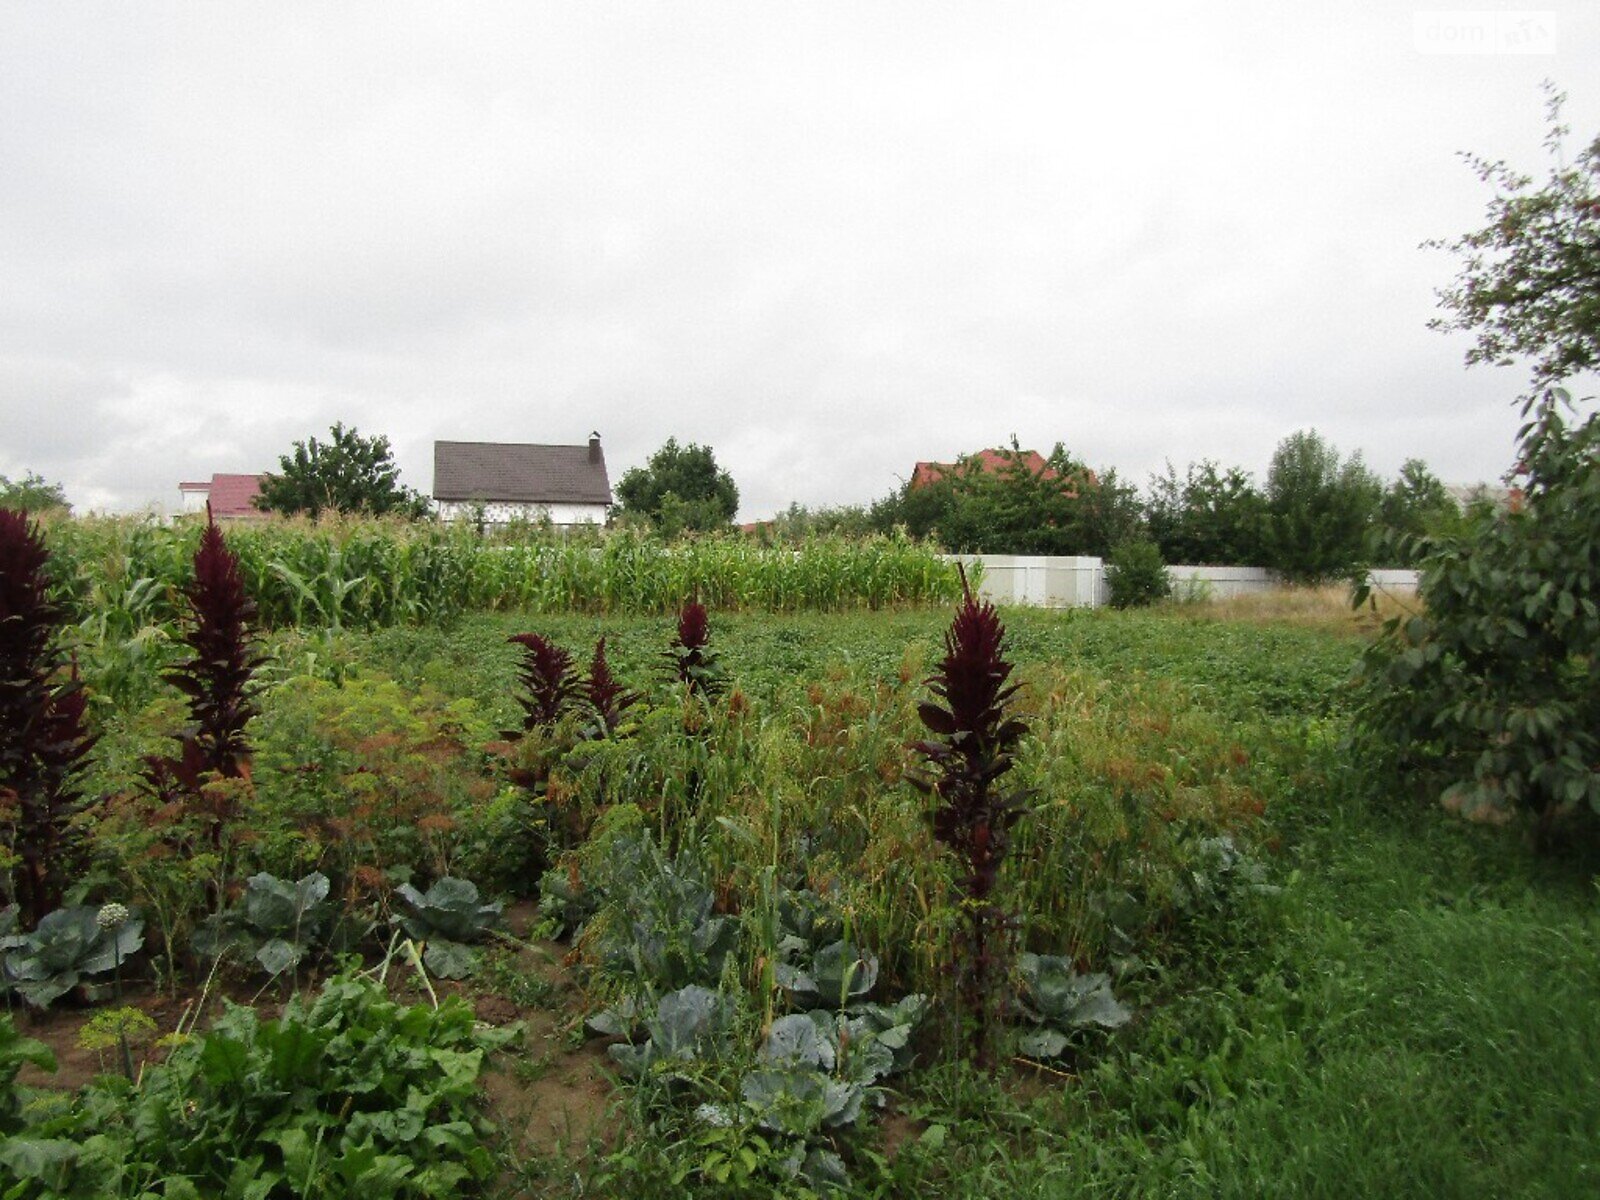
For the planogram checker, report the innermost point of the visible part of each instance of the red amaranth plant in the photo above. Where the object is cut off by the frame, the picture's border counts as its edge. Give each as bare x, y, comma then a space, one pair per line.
973, 744
608, 697
690, 656
217, 681
42, 736
549, 683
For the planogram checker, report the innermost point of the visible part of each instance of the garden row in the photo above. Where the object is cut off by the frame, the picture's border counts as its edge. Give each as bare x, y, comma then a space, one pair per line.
764, 913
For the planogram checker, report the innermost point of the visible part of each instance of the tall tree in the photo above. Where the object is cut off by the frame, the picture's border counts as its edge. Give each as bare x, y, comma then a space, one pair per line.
681, 488
32, 494
1414, 506
1210, 516
1019, 504
347, 474
1493, 687
1318, 509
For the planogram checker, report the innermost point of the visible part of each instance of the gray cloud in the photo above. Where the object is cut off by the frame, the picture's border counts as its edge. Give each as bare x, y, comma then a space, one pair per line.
828, 240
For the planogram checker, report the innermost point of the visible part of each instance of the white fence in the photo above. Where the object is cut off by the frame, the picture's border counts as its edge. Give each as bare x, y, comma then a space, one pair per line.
1058, 581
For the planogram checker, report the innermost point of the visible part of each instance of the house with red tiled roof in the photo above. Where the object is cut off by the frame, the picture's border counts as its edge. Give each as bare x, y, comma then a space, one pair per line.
232, 497
991, 462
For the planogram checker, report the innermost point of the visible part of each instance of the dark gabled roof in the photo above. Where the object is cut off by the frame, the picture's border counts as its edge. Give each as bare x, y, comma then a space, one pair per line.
519, 473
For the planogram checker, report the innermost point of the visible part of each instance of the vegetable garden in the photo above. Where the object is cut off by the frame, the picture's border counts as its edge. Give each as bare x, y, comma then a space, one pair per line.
317, 835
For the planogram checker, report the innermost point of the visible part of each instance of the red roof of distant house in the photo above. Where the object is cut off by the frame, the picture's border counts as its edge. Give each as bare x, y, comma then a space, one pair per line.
991, 462
229, 495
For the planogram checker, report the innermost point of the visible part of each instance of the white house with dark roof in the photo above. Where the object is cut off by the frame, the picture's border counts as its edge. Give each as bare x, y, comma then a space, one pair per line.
509, 481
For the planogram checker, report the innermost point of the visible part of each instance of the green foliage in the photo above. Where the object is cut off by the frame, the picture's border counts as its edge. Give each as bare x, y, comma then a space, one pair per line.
363, 573
32, 494
1415, 506
1018, 509
1493, 686
68, 946
1061, 1002
17, 1052
448, 918
349, 1094
1136, 576
369, 778
1211, 517
679, 490
276, 922
347, 474
687, 1026
43, 740
1529, 283
798, 524
1318, 509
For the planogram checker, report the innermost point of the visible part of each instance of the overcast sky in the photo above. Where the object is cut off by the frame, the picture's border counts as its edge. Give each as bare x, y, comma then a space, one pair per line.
827, 239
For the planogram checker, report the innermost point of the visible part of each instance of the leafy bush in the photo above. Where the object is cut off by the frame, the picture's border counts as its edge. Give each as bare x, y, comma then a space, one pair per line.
349, 1094
1493, 687
371, 781
17, 1052
1136, 576
68, 946
1319, 509
1212, 517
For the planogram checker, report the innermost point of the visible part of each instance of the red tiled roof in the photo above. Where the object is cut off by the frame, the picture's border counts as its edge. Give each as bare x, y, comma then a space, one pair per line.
231, 495
991, 462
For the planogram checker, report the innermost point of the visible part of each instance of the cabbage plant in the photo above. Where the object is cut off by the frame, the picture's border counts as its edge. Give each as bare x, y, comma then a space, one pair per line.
1061, 1002
447, 918
276, 922
67, 946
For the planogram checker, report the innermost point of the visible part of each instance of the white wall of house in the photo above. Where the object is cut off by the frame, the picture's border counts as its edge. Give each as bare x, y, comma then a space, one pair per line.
194, 499
1059, 581
503, 513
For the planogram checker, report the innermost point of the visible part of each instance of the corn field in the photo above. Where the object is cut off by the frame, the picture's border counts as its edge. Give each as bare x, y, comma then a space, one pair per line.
128, 574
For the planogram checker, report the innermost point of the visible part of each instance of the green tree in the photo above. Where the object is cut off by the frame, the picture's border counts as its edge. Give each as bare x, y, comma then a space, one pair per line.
32, 494
1529, 281
681, 488
1210, 517
1318, 509
1413, 506
1493, 687
1017, 508
347, 474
